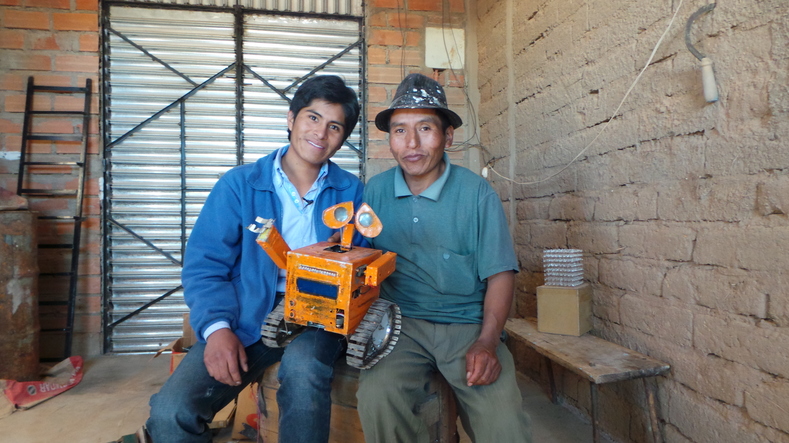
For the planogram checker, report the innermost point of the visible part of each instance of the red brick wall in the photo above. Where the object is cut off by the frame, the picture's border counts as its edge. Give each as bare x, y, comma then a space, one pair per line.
396, 48
56, 42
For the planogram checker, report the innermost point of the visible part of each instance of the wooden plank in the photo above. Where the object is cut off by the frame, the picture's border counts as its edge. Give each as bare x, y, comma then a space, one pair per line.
445, 430
593, 358
224, 417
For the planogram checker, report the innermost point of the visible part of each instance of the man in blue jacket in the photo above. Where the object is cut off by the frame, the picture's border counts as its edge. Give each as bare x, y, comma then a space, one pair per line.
231, 285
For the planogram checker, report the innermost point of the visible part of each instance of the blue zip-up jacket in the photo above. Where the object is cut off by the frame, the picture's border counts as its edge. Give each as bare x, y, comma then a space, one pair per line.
226, 274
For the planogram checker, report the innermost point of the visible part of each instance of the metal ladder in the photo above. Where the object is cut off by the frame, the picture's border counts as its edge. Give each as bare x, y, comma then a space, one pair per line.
41, 179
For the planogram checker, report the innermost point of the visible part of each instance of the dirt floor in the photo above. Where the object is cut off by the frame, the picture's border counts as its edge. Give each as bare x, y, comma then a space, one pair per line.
112, 401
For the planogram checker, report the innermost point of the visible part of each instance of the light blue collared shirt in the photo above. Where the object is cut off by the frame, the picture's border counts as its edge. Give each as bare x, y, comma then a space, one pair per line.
298, 227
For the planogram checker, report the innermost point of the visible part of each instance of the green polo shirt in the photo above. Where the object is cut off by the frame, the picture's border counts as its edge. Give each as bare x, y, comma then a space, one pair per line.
448, 240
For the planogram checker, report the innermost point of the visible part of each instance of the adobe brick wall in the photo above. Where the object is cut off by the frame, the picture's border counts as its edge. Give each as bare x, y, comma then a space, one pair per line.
680, 206
55, 41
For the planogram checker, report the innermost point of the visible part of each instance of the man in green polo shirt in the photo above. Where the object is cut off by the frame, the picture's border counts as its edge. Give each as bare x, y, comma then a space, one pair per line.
454, 280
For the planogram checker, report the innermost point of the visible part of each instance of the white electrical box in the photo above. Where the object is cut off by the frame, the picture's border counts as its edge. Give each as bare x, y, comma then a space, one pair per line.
445, 48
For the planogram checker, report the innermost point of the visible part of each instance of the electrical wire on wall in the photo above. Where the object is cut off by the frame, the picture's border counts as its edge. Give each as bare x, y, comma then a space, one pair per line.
402, 13
402, 18
474, 136
466, 144
707, 76
489, 164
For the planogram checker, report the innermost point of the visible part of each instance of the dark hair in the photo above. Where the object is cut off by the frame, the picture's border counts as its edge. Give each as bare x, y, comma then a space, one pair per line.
332, 89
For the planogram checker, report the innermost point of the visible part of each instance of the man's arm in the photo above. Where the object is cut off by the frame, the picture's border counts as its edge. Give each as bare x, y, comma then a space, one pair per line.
211, 253
482, 364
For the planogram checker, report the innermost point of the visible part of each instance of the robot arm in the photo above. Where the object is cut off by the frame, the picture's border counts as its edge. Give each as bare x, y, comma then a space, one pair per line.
381, 268
271, 241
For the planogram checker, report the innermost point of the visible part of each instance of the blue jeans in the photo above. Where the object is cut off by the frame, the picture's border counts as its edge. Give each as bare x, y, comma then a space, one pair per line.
187, 402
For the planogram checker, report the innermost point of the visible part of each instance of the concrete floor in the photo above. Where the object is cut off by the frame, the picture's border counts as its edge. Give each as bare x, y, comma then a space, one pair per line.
112, 400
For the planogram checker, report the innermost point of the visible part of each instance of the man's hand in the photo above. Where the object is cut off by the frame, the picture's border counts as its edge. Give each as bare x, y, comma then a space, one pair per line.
482, 364
335, 238
223, 357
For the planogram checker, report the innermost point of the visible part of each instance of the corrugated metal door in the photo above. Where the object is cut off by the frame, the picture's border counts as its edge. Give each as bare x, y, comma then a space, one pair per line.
185, 100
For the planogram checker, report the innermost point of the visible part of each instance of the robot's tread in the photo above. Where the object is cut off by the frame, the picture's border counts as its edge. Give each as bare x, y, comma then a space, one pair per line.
361, 352
273, 326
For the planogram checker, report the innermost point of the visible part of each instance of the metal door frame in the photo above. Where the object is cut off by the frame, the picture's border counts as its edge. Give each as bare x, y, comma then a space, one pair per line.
240, 71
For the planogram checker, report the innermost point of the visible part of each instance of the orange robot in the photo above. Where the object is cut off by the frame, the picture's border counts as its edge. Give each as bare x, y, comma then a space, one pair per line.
334, 286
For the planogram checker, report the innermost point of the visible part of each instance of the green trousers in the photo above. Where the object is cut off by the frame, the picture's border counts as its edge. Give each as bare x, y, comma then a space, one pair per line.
390, 391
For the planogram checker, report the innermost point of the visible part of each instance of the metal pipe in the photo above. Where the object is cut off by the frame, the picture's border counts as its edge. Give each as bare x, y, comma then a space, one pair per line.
693, 17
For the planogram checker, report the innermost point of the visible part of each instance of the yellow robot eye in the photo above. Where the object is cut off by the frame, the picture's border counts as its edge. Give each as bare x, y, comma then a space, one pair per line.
367, 223
366, 220
338, 215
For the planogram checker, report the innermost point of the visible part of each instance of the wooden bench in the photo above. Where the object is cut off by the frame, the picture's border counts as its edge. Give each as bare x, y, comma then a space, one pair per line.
596, 360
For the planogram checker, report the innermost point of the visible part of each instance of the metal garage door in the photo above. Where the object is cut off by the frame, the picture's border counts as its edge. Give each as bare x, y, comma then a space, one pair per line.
186, 99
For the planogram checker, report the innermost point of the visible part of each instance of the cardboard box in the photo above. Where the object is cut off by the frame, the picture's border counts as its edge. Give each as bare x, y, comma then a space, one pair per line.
177, 352
245, 423
564, 310
189, 336
180, 346
224, 417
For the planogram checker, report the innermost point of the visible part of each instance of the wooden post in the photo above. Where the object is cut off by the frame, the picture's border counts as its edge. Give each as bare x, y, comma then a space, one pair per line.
654, 423
595, 423
19, 316
551, 381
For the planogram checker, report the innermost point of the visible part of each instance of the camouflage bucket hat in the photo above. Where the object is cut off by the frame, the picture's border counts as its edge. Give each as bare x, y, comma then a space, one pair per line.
417, 91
